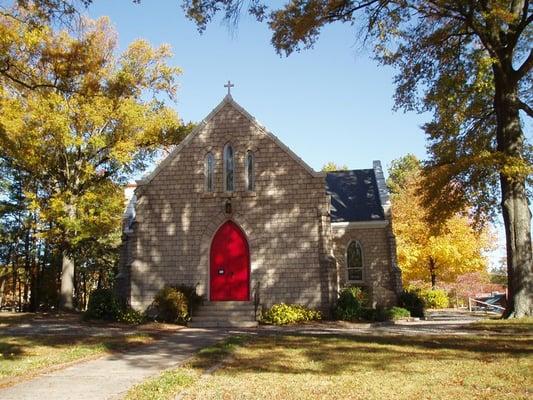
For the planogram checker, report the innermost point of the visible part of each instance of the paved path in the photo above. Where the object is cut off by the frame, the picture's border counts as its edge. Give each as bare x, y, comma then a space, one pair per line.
111, 376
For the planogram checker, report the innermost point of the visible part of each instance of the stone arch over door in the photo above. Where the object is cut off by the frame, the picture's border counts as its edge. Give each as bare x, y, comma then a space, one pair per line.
229, 264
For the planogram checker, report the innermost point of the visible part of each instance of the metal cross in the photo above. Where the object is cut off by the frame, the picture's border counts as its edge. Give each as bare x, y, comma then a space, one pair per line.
229, 85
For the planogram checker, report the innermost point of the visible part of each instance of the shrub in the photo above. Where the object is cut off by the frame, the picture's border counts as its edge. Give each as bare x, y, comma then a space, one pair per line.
435, 298
131, 316
171, 305
193, 299
350, 304
282, 314
413, 302
103, 304
368, 314
396, 313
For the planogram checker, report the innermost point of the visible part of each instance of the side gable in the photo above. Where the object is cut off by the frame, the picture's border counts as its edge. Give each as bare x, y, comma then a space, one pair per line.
227, 100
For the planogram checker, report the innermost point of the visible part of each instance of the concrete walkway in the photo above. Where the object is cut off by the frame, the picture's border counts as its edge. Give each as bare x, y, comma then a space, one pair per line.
110, 377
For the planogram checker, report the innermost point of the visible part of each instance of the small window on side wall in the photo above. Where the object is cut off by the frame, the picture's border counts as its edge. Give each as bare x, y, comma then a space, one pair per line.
249, 170
229, 169
354, 262
209, 170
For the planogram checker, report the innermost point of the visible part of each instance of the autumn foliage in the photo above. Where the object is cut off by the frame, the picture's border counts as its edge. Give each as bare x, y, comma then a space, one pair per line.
426, 251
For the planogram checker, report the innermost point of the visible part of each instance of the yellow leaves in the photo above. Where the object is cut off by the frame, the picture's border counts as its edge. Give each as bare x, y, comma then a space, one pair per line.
92, 121
455, 247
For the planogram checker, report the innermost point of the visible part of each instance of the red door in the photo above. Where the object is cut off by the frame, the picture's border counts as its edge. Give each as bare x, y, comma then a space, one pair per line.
230, 265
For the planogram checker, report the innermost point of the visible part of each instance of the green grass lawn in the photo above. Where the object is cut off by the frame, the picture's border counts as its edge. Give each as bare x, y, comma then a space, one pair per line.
478, 366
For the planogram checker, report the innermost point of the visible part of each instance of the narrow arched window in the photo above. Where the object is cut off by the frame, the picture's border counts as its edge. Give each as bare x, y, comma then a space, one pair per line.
249, 170
209, 169
229, 169
354, 261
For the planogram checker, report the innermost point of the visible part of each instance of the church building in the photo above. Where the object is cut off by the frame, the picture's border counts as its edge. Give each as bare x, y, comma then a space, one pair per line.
237, 214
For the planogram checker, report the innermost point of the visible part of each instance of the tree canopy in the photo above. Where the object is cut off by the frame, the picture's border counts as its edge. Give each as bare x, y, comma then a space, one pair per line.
427, 252
330, 166
78, 121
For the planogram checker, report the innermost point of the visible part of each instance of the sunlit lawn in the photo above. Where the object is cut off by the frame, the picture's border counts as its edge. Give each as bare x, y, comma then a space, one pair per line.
26, 356
478, 366
43, 348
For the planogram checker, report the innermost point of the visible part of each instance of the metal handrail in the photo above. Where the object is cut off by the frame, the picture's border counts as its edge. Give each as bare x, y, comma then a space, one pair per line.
470, 300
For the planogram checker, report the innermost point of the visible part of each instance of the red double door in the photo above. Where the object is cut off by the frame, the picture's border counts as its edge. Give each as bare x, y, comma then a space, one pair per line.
229, 265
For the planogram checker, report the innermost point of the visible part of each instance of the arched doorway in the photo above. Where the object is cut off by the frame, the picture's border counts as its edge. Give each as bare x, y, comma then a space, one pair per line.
229, 267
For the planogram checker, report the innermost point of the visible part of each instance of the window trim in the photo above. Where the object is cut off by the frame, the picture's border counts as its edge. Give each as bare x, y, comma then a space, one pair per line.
250, 180
357, 243
225, 175
209, 156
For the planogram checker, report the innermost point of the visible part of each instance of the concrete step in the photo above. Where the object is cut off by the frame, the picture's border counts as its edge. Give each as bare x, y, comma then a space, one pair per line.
223, 317
237, 314
227, 305
225, 313
222, 324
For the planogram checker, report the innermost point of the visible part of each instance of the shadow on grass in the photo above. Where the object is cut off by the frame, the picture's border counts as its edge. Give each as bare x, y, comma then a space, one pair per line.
519, 326
17, 347
334, 354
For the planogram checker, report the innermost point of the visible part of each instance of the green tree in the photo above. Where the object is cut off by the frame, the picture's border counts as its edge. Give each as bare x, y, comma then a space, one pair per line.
330, 166
400, 171
93, 120
469, 63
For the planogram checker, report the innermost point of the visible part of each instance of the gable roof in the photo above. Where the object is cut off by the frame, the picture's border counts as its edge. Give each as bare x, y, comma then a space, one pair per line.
354, 195
226, 100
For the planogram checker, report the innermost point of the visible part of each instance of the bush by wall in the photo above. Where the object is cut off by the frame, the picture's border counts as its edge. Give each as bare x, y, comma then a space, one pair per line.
130, 316
412, 300
193, 299
435, 298
396, 313
282, 314
103, 304
350, 304
170, 305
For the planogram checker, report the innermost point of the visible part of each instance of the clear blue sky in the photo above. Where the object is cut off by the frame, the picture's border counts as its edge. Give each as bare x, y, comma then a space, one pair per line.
331, 103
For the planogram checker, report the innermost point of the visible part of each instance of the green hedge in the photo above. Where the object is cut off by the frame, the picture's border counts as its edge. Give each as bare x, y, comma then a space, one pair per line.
349, 305
412, 300
283, 314
103, 304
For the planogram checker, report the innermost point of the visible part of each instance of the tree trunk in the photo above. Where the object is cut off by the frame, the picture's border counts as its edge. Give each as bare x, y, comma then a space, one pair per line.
2, 287
515, 209
67, 283
66, 300
433, 273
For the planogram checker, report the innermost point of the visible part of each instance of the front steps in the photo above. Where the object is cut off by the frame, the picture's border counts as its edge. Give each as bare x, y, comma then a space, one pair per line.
224, 314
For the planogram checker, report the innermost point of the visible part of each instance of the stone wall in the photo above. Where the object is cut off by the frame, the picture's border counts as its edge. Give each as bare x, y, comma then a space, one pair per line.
283, 218
379, 278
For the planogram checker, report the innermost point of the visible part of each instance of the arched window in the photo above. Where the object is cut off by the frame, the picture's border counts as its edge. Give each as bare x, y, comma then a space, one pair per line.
209, 169
249, 170
229, 169
354, 261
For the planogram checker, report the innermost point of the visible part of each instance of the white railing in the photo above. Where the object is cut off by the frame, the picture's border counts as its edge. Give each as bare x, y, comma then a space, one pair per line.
471, 301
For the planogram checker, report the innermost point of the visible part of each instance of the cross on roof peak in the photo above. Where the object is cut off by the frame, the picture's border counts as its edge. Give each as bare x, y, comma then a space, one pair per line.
229, 85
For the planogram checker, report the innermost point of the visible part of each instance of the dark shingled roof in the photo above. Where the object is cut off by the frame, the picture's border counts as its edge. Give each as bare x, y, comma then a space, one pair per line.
354, 196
